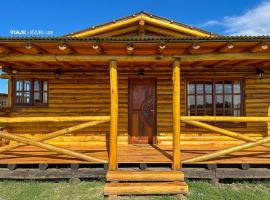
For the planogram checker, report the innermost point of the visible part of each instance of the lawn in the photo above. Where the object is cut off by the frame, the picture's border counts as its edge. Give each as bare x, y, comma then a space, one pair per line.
63, 190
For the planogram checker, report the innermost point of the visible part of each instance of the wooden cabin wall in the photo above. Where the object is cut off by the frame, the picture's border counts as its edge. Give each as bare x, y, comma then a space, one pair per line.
88, 93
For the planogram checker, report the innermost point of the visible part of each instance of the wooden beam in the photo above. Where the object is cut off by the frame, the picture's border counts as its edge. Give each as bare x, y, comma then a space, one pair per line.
194, 48
49, 147
84, 58
130, 49
226, 48
4, 50
225, 119
175, 27
176, 115
220, 153
8, 120
134, 58
53, 134
120, 31
163, 31
98, 49
5, 76
65, 48
161, 48
260, 47
114, 116
223, 131
246, 63
103, 29
225, 56
222, 63
141, 28
33, 48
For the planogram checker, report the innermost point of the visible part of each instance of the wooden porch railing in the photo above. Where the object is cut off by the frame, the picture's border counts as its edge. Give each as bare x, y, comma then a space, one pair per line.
89, 121
199, 121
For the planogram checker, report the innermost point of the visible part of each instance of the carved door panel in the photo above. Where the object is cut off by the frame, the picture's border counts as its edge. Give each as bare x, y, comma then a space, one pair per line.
142, 111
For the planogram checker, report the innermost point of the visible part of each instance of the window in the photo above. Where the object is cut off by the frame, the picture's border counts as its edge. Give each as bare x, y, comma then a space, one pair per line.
31, 92
215, 97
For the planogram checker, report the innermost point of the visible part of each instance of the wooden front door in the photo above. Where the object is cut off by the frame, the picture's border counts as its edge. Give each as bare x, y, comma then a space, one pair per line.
142, 121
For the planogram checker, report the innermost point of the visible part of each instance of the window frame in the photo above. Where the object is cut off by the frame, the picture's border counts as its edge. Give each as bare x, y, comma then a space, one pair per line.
214, 80
32, 92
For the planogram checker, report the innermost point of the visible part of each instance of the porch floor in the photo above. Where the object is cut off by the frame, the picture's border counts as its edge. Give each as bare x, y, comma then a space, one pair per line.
130, 154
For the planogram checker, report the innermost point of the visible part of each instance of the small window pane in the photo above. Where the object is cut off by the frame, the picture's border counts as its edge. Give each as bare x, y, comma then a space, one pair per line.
219, 101
191, 88
199, 88
228, 87
45, 86
27, 85
36, 97
237, 101
236, 87
26, 97
228, 101
191, 101
208, 88
19, 85
219, 88
199, 101
37, 86
208, 101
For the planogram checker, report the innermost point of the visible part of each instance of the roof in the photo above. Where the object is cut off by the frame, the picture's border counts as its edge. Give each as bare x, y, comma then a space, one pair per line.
263, 38
142, 22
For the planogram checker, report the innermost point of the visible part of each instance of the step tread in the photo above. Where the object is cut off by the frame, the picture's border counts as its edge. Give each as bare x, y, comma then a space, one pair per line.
133, 175
144, 172
145, 188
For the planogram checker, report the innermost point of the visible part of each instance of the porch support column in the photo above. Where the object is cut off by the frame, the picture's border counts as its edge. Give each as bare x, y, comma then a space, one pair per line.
176, 115
10, 91
114, 116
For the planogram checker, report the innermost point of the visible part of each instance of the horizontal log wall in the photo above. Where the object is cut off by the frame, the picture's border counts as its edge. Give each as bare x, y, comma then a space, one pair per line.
88, 93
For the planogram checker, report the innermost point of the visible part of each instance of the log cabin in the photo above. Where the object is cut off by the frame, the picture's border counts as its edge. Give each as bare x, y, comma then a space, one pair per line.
140, 89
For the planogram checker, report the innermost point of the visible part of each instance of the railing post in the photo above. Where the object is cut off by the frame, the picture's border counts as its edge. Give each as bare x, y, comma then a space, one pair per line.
176, 165
114, 116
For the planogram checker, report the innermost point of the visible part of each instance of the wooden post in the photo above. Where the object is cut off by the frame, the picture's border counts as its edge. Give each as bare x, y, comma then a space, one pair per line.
10, 88
114, 116
176, 115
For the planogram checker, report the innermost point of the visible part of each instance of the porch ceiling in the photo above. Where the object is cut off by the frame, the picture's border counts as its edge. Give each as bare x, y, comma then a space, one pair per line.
58, 52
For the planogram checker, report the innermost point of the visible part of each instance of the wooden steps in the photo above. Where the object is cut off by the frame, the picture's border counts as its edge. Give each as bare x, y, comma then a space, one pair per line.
145, 188
132, 182
128, 175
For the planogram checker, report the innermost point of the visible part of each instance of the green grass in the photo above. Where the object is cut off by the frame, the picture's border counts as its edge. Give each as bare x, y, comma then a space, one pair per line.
62, 190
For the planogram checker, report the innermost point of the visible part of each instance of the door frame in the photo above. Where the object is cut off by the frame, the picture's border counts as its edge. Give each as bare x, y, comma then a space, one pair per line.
154, 136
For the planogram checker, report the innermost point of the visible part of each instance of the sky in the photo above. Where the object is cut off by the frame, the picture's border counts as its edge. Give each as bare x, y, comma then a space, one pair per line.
56, 17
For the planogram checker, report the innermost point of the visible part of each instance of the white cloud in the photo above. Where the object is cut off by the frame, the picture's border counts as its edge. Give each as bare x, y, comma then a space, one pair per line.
255, 21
